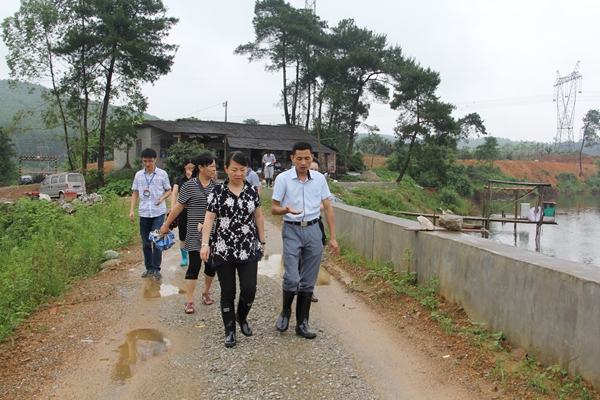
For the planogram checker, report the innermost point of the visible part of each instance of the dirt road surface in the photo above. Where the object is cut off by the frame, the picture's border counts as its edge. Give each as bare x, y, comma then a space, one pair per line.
78, 348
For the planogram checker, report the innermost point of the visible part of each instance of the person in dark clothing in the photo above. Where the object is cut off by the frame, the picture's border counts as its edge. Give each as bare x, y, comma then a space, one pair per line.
236, 244
188, 165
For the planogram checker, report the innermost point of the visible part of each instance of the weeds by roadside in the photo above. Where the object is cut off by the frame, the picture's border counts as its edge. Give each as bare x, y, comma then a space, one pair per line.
43, 249
399, 293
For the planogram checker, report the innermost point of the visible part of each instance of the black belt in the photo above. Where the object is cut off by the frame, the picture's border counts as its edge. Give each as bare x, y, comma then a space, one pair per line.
303, 223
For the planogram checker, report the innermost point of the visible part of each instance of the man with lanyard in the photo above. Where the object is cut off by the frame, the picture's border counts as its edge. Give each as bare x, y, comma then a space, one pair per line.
268, 161
151, 186
297, 196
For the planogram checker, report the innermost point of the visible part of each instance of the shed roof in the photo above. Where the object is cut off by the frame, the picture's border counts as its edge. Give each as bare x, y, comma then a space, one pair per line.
243, 136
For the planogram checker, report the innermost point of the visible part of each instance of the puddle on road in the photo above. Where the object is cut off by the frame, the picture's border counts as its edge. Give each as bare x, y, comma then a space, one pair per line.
153, 289
139, 347
272, 266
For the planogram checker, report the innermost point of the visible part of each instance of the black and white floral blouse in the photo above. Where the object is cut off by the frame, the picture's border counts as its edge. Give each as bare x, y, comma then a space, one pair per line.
235, 236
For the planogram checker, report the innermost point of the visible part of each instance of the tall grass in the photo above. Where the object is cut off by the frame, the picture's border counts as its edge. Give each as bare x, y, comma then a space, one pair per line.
43, 249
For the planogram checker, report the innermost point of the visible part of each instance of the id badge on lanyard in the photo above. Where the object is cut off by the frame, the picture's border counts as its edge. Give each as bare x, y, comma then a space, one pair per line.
146, 193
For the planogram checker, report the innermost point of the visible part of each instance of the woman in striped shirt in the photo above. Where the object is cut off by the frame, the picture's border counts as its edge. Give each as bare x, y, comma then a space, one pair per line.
193, 195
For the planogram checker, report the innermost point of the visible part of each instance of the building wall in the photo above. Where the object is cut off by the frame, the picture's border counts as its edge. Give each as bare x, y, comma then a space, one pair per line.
548, 306
147, 138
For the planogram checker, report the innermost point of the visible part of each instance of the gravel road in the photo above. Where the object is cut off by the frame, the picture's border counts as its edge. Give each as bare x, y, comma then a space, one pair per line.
140, 344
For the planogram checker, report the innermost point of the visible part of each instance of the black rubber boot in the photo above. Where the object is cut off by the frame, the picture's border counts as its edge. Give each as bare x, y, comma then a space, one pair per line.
284, 318
229, 321
242, 313
302, 311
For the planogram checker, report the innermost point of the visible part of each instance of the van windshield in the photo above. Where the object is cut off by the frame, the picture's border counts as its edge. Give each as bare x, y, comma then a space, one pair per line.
75, 178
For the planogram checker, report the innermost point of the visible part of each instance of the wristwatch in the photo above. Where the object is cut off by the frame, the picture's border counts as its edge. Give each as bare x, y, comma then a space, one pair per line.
205, 244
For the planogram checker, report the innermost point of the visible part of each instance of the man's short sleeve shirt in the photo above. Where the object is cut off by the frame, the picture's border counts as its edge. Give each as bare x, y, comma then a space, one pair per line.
150, 188
305, 196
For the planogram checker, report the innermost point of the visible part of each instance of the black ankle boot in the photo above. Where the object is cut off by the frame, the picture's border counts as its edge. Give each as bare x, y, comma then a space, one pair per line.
302, 311
242, 313
284, 318
229, 321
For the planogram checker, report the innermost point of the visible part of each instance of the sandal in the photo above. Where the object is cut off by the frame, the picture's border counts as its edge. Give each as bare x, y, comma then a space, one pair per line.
190, 307
207, 299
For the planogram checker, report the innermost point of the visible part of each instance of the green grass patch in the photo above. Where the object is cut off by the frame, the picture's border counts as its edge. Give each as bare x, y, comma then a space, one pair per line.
43, 249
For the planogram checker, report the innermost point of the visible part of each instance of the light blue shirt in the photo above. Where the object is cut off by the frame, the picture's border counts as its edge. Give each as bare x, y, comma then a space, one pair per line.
252, 177
150, 187
305, 196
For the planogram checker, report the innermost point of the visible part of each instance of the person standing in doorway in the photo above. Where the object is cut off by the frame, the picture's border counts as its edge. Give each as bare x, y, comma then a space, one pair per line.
297, 196
188, 165
151, 187
236, 244
193, 197
268, 161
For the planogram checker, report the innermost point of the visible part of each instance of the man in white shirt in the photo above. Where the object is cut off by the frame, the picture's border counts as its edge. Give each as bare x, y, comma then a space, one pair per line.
298, 196
151, 187
268, 161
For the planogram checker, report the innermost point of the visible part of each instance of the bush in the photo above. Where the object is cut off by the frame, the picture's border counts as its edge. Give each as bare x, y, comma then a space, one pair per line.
178, 153
450, 197
120, 188
569, 183
356, 161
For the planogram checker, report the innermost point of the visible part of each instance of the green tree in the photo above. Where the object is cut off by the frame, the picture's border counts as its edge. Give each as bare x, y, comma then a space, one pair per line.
251, 121
488, 151
95, 51
285, 36
589, 133
465, 153
30, 36
178, 152
8, 167
423, 115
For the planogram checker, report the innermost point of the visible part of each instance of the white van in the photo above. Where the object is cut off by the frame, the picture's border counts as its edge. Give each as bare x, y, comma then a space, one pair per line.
64, 184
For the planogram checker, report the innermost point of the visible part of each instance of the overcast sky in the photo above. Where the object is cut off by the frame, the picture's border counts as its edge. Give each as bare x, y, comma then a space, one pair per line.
497, 58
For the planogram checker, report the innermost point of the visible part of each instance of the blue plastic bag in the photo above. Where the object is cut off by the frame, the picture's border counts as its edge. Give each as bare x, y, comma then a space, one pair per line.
162, 242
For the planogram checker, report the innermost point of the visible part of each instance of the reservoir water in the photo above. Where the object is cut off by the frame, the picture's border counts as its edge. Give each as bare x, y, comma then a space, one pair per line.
576, 236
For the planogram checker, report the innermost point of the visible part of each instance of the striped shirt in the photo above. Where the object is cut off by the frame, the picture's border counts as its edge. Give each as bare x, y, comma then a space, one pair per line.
194, 196
154, 185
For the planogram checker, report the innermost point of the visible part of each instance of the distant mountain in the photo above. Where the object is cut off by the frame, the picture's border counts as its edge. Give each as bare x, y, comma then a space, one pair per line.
31, 137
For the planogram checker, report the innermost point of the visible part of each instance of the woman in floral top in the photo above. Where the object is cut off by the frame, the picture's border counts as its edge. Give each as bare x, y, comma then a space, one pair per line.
236, 243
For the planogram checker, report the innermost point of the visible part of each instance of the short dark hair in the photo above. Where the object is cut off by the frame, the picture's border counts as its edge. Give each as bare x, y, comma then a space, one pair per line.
148, 153
316, 161
238, 157
301, 146
204, 159
188, 160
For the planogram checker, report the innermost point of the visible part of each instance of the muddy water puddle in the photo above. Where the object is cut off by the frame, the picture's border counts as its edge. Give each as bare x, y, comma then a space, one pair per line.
140, 346
153, 289
272, 265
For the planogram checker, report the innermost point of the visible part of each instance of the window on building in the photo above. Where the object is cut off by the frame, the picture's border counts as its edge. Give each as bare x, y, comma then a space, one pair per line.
164, 147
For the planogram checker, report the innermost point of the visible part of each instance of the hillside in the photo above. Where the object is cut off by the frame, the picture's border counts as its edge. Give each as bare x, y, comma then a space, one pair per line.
544, 170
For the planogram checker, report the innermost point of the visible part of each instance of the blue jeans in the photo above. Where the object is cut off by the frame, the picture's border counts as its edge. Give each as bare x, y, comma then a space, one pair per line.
152, 256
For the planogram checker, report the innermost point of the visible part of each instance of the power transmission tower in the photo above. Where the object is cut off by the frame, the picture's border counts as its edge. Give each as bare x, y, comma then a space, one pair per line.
565, 95
311, 5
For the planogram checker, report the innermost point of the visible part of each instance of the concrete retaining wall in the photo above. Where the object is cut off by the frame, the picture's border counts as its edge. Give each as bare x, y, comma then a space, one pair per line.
548, 306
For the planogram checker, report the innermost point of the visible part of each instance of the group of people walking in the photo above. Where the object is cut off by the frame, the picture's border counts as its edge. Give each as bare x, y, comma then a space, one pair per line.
225, 230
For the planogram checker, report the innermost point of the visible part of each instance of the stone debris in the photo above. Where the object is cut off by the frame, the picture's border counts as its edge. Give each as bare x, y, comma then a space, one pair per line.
451, 222
425, 223
369, 176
